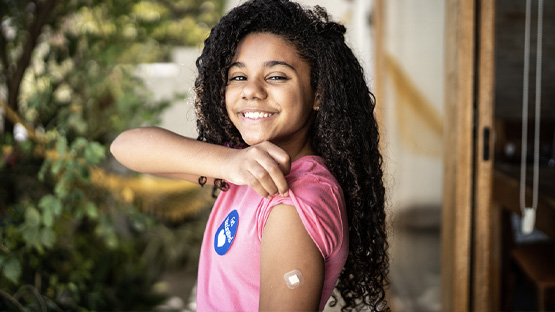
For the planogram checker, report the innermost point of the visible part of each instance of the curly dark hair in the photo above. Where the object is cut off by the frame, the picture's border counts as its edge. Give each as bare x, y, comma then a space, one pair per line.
344, 132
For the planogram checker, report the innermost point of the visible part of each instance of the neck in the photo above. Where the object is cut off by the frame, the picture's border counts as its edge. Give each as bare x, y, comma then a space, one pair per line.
296, 149
304, 151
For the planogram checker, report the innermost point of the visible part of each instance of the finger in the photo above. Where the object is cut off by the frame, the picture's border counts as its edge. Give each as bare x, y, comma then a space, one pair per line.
255, 184
280, 156
276, 175
261, 173
283, 161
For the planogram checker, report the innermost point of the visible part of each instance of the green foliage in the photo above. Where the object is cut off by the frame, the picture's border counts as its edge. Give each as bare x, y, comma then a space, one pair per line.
67, 68
81, 271
12, 268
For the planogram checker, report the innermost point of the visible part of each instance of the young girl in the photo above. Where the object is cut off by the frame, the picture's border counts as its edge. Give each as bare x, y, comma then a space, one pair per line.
287, 132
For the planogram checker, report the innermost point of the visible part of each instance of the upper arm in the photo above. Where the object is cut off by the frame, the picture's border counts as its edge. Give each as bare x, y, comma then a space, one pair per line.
287, 246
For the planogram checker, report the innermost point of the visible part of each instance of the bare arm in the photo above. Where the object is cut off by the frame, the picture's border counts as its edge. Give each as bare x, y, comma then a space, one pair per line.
161, 152
286, 246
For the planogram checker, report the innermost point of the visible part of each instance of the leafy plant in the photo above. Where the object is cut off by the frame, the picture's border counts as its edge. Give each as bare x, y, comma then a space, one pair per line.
67, 87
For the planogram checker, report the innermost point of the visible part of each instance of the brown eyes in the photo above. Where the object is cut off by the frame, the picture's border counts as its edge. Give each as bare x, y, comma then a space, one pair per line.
244, 78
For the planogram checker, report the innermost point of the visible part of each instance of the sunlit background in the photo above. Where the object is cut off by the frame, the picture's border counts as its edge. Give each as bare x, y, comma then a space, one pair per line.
80, 232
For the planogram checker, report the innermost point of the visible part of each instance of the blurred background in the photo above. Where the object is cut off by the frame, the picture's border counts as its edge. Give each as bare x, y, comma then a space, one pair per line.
80, 232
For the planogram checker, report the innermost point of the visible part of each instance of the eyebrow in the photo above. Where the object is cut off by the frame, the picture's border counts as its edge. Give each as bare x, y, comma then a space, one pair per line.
267, 64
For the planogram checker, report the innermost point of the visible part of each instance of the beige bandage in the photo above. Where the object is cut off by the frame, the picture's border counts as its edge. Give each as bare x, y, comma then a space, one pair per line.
293, 279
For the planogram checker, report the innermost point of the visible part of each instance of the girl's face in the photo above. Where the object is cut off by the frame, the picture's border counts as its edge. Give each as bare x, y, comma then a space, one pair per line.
268, 95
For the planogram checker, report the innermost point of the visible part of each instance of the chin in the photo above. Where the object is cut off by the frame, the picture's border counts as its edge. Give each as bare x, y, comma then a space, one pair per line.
253, 141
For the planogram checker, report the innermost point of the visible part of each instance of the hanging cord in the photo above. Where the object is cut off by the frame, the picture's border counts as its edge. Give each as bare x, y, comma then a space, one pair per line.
529, 213
525, 78
538, 105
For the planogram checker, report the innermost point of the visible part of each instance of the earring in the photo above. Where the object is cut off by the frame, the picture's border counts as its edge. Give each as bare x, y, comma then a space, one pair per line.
316, 103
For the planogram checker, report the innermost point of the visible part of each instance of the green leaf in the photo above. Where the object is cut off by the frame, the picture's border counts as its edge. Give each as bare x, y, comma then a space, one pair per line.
31, 235
111, 240
32, 217
78, 144
50, 204
84, 174
63, 186
78, 213
57, 166
47, 217
43, 169
47, 237
61, 146
106, 231
91, 210
94, 153
12, 270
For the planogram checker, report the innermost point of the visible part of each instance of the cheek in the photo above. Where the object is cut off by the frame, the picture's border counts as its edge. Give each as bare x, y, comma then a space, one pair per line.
230, 97
231, 115
229, 112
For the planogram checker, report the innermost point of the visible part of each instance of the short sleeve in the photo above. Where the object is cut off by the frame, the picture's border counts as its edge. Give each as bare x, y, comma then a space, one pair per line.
319, 203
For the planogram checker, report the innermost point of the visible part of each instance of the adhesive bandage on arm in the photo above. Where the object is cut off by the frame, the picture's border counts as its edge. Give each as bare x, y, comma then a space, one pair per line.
293, 279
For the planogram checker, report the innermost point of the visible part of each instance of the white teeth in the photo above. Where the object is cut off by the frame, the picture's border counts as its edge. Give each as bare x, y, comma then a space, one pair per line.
256, 115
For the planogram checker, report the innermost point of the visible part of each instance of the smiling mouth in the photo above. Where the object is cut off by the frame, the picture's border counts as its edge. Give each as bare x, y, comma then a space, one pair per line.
257, 115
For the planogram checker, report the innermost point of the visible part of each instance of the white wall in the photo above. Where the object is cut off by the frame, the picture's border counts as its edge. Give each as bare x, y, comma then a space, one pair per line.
413, 101
168, 80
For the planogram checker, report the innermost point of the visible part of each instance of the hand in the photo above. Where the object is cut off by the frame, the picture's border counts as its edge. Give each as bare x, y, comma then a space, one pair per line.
263, 167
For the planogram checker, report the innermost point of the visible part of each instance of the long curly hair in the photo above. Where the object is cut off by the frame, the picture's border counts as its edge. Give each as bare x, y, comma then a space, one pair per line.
344, 132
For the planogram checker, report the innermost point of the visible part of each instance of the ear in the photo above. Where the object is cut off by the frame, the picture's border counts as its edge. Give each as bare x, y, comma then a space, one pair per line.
316, 105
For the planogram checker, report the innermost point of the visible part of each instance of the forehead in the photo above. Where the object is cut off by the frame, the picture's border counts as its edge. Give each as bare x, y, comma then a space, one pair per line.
265, 47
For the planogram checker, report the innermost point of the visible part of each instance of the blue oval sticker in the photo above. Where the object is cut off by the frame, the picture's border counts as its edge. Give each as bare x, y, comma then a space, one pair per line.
226, 233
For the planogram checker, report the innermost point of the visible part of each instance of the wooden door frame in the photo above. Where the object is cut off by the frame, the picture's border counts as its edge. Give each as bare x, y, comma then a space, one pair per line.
487, 217
469, 223
457, 158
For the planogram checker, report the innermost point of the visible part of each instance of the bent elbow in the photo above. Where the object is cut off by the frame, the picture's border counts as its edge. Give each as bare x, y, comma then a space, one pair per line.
116, 146
121, 146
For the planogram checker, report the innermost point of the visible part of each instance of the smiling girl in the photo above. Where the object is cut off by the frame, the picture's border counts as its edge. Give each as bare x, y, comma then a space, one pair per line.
287, 131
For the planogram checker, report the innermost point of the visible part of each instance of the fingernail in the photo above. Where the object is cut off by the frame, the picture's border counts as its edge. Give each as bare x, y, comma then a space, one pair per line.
286, 194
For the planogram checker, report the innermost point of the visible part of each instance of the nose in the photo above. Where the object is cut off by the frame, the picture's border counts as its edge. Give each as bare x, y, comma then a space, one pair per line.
253, 89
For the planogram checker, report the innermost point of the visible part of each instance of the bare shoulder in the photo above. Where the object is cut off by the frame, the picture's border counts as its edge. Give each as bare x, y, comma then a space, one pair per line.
286, 246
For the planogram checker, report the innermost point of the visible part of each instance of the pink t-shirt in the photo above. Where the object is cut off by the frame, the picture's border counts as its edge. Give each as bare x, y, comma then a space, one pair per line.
229, 267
